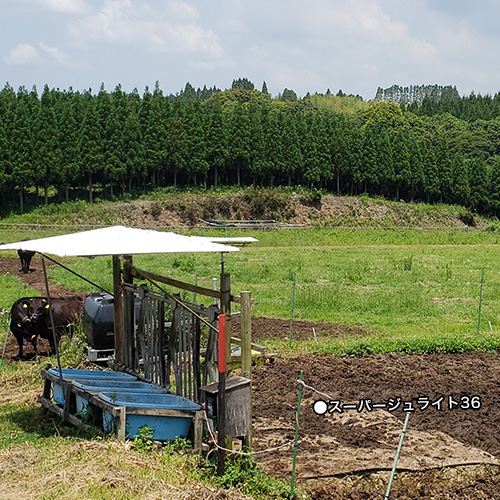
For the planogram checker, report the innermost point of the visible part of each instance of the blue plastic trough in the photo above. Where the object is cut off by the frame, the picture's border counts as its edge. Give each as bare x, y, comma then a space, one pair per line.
73, 374
95, 386
145, 410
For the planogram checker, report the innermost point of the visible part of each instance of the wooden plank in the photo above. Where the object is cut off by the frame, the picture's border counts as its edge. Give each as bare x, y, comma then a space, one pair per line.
141, 274
67, 400
256, 347
128, 311
225, 306
160, 412
117, 304
72, 419
237, 300
198, 432
121, 423
246, 335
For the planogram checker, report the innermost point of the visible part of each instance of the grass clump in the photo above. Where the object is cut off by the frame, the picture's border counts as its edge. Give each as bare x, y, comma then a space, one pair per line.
243, 473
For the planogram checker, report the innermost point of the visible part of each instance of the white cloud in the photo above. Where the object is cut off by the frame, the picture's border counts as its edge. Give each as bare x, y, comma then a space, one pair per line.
66, 6
25, 54
63, 6
22, 55
173, 28
309, 46
61, 58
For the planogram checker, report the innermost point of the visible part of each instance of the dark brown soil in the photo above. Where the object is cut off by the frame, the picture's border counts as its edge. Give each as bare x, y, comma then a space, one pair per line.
365, 442
446, 453
35, 278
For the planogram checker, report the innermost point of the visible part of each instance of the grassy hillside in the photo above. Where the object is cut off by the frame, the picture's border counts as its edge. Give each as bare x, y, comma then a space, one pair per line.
298, 207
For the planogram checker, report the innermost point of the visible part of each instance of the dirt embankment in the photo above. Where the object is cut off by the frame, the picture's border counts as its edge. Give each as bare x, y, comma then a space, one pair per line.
191, 210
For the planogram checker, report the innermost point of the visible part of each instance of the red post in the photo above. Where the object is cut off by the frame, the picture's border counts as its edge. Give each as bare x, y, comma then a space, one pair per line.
222, 343
221, 396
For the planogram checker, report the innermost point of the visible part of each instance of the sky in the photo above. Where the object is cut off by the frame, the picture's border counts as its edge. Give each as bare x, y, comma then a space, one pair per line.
308, 46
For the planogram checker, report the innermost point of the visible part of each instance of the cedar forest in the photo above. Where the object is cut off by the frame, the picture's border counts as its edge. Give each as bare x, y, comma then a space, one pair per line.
424, 143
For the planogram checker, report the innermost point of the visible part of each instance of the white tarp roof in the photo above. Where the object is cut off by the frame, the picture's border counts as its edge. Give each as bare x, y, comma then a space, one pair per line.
119, 240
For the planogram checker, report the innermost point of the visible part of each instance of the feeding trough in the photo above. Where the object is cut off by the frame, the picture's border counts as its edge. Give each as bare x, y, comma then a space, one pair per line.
84, 388
70, 374
170, 416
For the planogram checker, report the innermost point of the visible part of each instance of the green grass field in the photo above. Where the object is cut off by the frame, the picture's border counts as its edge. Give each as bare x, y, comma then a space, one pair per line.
408, 289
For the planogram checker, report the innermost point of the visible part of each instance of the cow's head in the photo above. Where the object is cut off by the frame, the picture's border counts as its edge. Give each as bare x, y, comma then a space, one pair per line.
20, 313
37, 309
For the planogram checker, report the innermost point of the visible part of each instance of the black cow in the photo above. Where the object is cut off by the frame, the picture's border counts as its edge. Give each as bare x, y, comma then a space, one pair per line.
25, 257
32, 314
20, 324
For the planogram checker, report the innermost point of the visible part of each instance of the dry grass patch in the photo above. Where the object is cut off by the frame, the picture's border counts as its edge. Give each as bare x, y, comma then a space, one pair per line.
69, 469
42, 459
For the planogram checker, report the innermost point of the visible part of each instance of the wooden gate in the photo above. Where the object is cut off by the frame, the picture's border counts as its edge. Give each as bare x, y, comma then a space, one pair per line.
173, 342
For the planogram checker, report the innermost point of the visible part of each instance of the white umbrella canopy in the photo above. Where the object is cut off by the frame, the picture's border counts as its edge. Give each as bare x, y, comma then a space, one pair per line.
119, 240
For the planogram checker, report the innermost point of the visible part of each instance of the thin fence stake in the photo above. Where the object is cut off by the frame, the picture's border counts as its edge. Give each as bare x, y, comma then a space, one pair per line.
291, 312
480, 300
296, 435
5, 344
396, 458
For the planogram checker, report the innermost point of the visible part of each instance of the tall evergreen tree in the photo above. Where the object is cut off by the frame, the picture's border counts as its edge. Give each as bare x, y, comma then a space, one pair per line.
494, 185
416, 180
67, 116
177, 143
432, 184
291, 144
197, 165
22, 153
402, 165
132, 144
479, 185
217, 145
238, 134
90, 151
460, 179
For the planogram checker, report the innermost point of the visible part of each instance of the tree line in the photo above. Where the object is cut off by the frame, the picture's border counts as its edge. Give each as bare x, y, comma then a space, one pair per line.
71, 142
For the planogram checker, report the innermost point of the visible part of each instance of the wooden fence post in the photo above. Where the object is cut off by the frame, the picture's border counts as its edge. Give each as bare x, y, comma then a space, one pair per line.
128, 316
225, 306
118, 310
246, 334
246, 351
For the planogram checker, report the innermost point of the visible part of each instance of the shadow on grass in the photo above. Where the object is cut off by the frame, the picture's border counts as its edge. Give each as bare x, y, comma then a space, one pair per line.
20, 424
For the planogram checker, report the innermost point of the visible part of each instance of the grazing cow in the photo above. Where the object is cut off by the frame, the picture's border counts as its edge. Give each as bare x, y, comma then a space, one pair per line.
33, 315
25, 257
20, 324
65, 312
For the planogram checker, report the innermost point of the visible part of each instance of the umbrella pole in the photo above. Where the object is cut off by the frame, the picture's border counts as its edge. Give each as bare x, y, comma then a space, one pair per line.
51, 317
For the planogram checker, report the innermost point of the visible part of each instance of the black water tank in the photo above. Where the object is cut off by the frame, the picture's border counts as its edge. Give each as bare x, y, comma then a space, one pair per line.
98, 320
